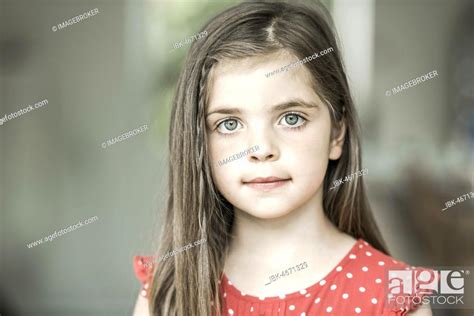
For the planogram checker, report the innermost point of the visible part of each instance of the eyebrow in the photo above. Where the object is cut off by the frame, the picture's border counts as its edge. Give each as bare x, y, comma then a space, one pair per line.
276, 108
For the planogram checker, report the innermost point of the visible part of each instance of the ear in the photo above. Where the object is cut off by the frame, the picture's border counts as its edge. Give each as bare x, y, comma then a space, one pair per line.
335, 147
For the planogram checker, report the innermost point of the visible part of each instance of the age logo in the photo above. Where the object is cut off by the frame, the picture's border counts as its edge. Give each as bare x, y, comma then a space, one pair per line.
426, 286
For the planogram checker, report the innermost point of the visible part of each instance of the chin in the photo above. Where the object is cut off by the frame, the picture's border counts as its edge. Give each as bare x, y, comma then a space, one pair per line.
267, 211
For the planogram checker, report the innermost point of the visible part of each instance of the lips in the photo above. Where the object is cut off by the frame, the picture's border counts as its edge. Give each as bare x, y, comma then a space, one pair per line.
265, 180
266, 183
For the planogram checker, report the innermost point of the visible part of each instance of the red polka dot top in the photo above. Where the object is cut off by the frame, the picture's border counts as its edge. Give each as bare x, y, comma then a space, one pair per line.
357, 285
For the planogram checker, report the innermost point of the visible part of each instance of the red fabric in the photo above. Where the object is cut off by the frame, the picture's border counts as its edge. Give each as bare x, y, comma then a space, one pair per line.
144, 267
357, 285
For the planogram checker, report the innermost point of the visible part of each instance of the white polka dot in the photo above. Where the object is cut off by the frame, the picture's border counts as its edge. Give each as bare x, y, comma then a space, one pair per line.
374, 301
365, 243
357, 310
329, 309
378, 281
322, 282
282, 296
368, 253
316, 301
362, 289
333, 287
225, 294
349, 275
291, 308
394, 261
307, 295
251, 309
365, 269
303, 292
243, 294
381, 263
261, 298
345, 296
231, 312
303, 314
339, 268
352, 256
360, 246
230, 283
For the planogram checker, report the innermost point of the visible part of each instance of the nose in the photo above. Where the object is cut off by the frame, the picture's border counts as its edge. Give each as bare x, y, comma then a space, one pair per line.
266, 150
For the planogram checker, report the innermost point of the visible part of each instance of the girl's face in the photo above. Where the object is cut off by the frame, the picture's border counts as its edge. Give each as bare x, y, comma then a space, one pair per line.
285, 118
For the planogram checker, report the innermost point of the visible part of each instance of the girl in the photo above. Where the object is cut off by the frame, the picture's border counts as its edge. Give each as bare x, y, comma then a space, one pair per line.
251, 82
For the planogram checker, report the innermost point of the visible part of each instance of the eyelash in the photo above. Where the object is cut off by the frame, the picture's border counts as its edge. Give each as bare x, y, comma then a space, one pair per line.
286, 126
302, 125
222, 122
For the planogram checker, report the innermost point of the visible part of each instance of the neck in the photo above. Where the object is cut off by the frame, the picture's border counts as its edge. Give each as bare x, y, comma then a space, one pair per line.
261, 247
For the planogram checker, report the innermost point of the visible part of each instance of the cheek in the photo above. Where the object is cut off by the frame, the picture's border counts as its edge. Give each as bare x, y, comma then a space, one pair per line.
224, 178
309, 154
312, 146
212, 148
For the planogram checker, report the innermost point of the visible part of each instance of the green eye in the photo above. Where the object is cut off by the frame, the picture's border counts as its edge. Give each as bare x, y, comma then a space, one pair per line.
230, 125
291, 119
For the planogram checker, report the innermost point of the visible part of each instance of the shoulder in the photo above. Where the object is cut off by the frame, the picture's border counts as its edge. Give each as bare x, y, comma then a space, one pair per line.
144, 267
141, 307
372, 274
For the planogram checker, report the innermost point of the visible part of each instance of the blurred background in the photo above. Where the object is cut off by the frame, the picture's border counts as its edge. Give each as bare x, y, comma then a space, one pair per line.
117, 71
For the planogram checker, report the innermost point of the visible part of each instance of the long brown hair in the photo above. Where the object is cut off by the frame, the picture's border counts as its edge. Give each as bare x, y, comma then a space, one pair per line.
186, 284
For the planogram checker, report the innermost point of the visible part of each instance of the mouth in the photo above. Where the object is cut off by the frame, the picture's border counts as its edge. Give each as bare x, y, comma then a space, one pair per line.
267, 183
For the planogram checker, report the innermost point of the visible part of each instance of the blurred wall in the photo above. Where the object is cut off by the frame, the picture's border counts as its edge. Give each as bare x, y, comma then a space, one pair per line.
54, 170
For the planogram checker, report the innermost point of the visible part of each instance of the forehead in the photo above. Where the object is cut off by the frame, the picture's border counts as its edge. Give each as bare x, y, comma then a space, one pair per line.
242, 82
